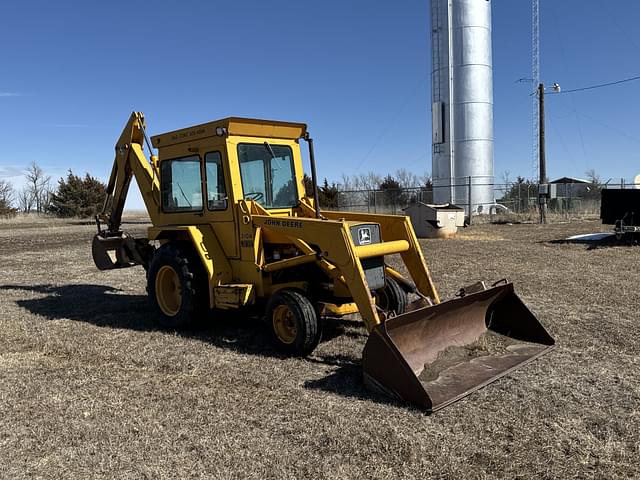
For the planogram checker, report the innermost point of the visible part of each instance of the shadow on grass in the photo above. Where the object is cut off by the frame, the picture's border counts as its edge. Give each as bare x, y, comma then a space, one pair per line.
106, 306
99, 305
346, 381
595, 244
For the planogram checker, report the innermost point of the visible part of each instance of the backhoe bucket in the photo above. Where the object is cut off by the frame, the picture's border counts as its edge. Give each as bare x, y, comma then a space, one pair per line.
112, 252
104, 249
436, 355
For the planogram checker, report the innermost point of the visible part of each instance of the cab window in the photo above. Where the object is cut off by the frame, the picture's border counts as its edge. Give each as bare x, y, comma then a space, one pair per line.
181, 184
216, 191
268, 175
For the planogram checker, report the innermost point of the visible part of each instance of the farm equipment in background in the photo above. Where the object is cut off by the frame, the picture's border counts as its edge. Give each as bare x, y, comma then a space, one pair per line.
232, 228
620, 207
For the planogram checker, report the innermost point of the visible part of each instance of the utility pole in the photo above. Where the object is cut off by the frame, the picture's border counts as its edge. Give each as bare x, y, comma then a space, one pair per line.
543, 187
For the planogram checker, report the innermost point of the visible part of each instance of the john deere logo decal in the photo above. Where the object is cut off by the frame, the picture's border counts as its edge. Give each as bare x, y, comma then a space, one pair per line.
364, 236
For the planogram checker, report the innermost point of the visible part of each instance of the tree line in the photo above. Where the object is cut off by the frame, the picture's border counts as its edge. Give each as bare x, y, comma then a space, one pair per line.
395, 187
399, 188
76, 196
73, 196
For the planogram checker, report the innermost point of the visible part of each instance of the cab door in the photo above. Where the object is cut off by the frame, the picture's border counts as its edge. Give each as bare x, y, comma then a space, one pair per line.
218, 199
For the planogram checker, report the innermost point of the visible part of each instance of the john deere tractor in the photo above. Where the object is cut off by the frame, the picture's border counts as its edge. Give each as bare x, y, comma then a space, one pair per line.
233, 228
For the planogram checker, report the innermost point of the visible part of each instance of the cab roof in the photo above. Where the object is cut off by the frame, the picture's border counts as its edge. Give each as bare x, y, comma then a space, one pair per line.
246, 127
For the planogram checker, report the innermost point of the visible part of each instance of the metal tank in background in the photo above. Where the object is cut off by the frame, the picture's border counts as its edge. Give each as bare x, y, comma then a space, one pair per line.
462, 103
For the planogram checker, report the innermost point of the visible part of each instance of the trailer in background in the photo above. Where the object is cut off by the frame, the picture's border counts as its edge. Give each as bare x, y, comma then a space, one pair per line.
621, 208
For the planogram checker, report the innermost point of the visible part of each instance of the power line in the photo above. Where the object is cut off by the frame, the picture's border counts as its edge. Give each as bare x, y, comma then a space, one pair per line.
631, 79
598, 121
611, 127
388, 126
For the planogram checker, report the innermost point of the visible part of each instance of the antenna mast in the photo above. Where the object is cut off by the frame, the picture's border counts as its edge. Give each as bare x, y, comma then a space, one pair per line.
535, 80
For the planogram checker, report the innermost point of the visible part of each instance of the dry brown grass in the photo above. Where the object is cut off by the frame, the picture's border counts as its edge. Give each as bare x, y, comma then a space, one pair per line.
90, 389
33, 220
532, 216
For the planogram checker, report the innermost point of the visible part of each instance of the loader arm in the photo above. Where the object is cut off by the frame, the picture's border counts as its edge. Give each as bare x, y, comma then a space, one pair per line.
336, 247
394, 228
129, 162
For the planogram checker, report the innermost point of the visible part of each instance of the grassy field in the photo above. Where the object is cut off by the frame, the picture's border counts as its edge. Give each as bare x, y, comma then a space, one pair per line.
91, 389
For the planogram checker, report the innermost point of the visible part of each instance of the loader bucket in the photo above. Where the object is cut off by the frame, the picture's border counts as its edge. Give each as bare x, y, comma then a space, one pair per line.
433, 356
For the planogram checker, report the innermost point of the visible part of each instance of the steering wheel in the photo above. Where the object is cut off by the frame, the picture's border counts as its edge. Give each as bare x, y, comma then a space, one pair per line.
255, 196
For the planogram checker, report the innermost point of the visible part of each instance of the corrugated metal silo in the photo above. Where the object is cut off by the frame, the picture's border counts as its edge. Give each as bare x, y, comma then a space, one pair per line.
462, 96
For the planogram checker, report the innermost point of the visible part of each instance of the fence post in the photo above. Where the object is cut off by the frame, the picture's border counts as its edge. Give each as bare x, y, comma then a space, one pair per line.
519, 199
395, 201
469, 200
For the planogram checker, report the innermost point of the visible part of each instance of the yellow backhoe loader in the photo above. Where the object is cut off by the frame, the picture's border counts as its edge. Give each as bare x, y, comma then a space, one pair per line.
233, 228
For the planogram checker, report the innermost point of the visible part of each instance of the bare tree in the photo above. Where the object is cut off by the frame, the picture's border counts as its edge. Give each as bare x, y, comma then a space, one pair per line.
346, 183
593, 177
359, 187
367, 184
406, 178
426, 179
6, 192
506, 182
46, 196
367, 181
593, 190
39, 188
7, 196
25, 200
412, 180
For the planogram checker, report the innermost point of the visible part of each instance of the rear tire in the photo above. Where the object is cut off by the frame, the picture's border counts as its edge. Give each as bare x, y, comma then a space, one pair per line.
294, 323
391, 297
177, 286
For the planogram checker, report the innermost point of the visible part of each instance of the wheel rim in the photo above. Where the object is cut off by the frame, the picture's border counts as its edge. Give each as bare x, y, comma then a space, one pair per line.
168, 291
284, 324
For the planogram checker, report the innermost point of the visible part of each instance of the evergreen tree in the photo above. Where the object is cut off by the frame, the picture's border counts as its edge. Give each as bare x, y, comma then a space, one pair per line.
77, 196
393, 192
327, 194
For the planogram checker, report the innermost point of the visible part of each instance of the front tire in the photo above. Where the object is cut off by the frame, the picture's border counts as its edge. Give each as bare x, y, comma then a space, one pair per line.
391, 297
294, 322
176, 287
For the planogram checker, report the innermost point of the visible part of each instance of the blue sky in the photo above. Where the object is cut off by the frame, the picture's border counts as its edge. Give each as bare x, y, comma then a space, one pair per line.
358, 72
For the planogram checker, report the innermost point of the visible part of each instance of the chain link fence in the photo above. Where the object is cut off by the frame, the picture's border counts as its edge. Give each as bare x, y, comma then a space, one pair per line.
510, 198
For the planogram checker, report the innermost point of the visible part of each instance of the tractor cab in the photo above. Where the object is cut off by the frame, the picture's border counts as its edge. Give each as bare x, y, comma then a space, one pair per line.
205, 169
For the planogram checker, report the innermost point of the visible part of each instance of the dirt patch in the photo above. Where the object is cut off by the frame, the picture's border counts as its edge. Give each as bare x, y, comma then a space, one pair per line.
478, 236
489, 343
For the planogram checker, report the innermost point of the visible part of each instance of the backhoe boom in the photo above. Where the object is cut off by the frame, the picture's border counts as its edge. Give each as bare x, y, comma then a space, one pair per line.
129, 162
